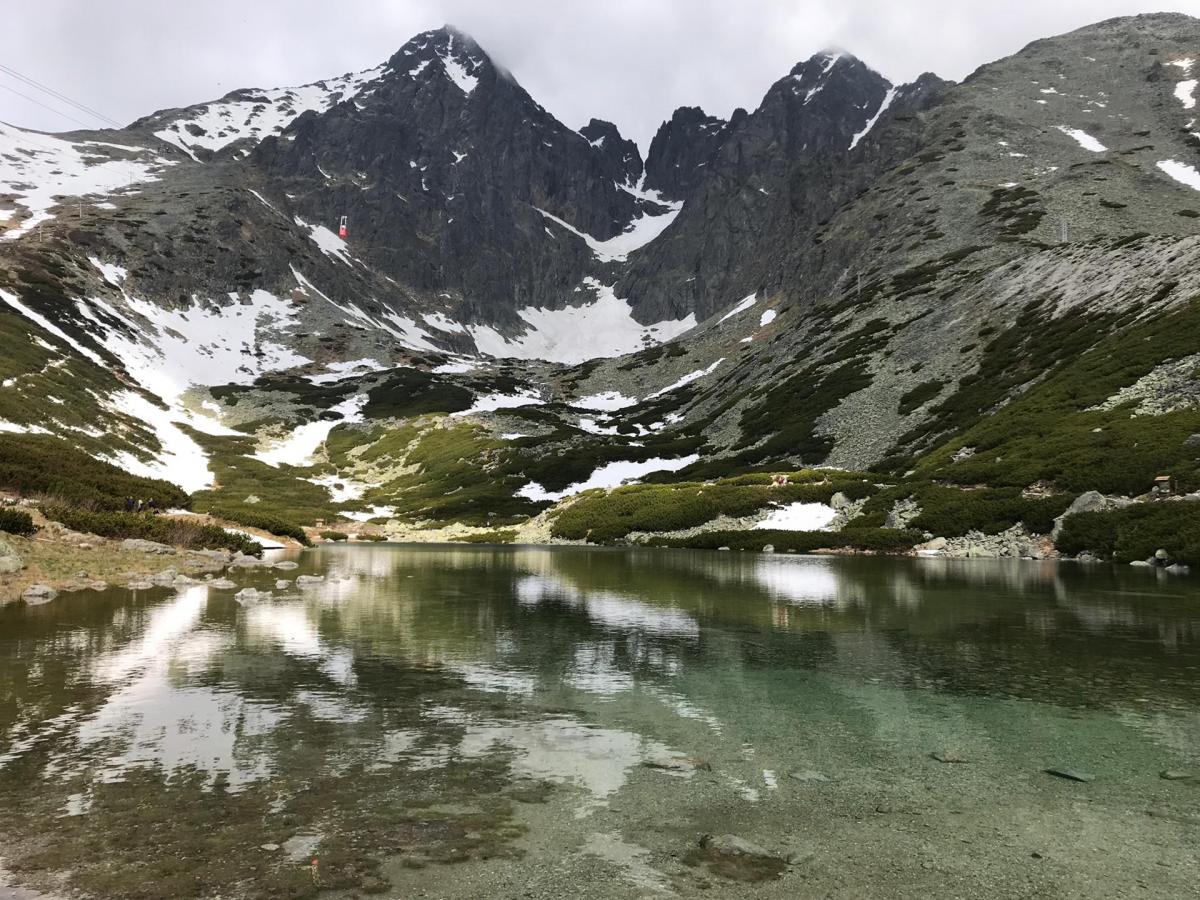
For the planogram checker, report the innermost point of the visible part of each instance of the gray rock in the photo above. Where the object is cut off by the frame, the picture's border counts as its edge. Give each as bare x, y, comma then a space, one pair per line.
1088, 501
247, 562
936, 545
676, 764
98, 586
1179, 569
769, 548
302, 580
139, 585
39, 593
948, 756
184, 580
222, 584
722, 548
269, 848
840, 501
808, 775
1142, 563
143, 546
1192, 440
1176, 775
1161, 555
733, 846
251, 595
282, 584
1070, 774
166, 576
9, 560
286, 565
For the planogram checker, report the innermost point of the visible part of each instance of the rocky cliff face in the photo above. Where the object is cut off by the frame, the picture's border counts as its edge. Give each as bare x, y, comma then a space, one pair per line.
854, 273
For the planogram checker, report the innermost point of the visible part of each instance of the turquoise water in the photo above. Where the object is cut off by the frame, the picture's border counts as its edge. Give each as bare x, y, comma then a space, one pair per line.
547, 722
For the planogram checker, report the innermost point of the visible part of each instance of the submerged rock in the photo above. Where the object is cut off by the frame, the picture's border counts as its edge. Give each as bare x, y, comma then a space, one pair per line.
286, 564
282, 584
222, 584
302, 580
1176, 775
948, 756
676, 764
251, 595
139, 585
1070, 774
808, 775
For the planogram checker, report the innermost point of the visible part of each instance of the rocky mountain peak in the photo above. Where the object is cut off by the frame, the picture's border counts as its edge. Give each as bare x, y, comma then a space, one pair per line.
682, 148
444, 51
620, 156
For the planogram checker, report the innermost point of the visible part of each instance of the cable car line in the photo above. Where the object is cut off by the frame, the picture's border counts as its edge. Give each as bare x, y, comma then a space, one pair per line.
59, 95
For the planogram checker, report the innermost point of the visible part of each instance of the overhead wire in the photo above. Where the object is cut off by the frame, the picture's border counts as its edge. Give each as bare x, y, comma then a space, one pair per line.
59, 95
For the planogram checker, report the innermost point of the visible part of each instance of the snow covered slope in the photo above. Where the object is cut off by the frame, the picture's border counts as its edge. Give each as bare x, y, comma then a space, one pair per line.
37, 171
254, 114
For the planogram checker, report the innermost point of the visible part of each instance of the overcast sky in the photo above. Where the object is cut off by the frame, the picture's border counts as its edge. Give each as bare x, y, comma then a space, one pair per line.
629, 61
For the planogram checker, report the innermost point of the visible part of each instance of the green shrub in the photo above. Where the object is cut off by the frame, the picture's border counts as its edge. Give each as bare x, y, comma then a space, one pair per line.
370, 537
16, 521
181, 532
264, 521
1136, 532
873, 540
602, 517
952, 511
35, 464
335, 535
919, 395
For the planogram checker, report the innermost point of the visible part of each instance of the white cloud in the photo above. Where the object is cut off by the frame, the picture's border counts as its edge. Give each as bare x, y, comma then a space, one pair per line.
625, 60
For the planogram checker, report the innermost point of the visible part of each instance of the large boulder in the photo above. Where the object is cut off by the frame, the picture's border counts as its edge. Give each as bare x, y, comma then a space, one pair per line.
39, 593
1088, 501
9, 560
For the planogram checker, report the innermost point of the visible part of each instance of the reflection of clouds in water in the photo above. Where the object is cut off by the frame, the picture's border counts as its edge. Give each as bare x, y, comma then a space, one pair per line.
559, 749
809, 581
154, 717
490, 678
607, 607
291, 628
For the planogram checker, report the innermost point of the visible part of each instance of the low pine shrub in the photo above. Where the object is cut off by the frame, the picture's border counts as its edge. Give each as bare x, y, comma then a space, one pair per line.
16, 521
335, 535
148, 526
872, 540
268, 523
35, 464
1136, 532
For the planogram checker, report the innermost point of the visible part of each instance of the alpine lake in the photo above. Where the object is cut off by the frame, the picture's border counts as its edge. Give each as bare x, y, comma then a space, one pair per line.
546, 722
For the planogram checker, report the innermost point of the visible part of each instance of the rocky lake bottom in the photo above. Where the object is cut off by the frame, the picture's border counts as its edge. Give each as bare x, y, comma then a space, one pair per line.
453, 722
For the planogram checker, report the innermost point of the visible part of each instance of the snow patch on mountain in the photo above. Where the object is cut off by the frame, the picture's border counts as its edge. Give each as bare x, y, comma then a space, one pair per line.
257, 114
38, 319
169, 350
1085, 140
744, 304
328, 242
609, 475
38, 171
1181, 172
887, 101
180, 460
687, 379
637, 234
301, 446
554, 334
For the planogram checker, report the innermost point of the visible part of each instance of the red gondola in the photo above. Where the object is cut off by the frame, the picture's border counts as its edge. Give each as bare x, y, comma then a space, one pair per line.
342, 228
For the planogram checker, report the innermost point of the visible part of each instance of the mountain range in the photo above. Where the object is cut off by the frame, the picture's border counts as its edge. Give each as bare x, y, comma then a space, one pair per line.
411, 295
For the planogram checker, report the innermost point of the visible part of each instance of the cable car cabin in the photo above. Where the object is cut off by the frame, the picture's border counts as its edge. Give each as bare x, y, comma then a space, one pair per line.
342, 231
